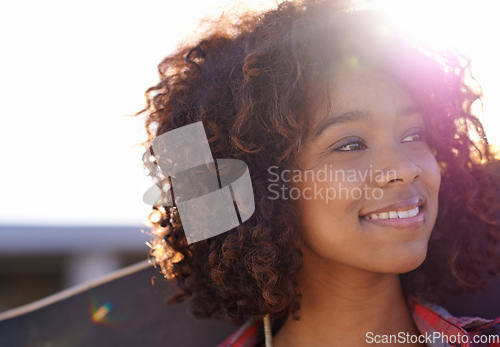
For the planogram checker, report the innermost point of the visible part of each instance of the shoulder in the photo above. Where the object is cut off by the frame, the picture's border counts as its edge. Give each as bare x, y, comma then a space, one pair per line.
439, 327
436, 325
246, 336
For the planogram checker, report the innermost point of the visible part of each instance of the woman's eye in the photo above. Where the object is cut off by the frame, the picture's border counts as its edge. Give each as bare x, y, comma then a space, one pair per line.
416, 136
354, 145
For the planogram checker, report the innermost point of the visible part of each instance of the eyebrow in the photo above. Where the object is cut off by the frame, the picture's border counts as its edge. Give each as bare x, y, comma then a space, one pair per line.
357, 116
409, 110
347, 117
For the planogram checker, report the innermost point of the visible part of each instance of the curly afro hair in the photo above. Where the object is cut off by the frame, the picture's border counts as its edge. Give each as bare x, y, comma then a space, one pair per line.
252, 80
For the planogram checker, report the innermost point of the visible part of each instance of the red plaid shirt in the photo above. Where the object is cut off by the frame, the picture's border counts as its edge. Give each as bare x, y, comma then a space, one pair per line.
436, 325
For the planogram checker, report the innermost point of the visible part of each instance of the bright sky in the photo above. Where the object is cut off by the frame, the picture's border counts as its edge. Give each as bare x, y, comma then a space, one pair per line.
71, 70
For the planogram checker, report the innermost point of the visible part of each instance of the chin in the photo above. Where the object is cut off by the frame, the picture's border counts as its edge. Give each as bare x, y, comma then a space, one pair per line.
409, 262
401, 260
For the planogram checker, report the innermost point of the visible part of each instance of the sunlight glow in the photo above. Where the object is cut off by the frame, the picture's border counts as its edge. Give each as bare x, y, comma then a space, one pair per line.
72, 71
441, 24
467, 26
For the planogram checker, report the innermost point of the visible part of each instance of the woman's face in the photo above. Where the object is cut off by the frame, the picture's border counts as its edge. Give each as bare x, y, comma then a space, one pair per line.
369, 189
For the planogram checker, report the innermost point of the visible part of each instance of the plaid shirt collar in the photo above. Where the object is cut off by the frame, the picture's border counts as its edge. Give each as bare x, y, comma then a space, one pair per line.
434, 320
438, 327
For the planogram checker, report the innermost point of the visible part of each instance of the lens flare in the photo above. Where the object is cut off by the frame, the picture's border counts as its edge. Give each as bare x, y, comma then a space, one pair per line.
100, 312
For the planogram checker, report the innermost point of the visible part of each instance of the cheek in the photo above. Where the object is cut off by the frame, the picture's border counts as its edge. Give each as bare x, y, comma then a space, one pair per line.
432, 173
431, 177
316, 215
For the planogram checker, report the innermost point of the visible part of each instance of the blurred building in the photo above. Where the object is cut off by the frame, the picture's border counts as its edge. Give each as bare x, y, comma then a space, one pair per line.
36, 261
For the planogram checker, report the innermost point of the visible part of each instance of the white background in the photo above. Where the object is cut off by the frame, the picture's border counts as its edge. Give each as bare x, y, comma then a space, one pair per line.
70, 72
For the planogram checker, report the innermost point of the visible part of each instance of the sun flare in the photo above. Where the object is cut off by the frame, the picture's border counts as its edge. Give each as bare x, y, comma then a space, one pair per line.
467, 26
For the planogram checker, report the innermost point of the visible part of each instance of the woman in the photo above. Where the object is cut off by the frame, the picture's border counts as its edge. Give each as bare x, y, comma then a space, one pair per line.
375, 193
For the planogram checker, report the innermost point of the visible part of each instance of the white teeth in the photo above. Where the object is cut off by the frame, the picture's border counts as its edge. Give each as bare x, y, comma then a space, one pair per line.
403, 214
395, 214
383, 215
413, 213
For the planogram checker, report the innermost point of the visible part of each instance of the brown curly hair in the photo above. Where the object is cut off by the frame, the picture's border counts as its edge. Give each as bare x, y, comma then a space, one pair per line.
252, 80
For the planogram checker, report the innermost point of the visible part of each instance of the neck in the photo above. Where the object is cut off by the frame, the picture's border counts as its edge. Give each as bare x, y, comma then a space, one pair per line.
341, 307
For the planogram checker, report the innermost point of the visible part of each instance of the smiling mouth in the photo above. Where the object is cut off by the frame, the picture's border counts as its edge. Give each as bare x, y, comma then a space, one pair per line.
404, 214
396, 214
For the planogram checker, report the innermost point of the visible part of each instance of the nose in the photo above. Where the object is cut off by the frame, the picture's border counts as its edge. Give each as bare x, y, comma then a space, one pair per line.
397, 167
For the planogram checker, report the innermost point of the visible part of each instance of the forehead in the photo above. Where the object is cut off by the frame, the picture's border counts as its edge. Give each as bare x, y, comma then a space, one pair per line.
359, 94
358, 87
